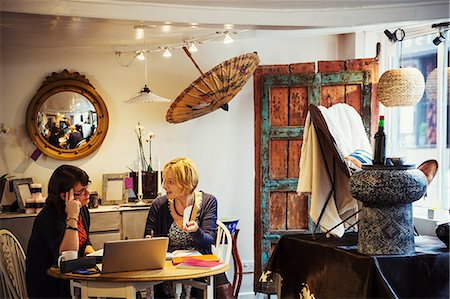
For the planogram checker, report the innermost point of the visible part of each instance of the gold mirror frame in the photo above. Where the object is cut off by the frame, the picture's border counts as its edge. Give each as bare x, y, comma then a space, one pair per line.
59, 82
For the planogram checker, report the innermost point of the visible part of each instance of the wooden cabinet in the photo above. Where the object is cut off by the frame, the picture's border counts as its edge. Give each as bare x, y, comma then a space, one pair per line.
107, 224
133, 224
105, 227
20, 227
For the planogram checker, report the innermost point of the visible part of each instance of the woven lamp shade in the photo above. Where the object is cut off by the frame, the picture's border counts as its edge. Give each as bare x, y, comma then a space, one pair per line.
431, 85
400, 87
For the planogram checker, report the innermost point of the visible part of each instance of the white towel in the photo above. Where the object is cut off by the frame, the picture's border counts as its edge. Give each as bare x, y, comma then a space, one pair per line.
346, 127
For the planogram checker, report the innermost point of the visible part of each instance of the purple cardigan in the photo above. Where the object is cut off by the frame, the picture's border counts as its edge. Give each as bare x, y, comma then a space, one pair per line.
159, 220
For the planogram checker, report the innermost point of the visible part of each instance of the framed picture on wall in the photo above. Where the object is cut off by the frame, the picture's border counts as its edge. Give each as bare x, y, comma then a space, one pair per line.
113, 189
22, 191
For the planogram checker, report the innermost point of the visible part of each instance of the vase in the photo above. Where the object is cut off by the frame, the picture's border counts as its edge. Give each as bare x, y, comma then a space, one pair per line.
386, 219
149, 184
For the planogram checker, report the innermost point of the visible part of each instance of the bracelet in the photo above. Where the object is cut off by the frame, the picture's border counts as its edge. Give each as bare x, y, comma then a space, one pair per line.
72, 228
71, 219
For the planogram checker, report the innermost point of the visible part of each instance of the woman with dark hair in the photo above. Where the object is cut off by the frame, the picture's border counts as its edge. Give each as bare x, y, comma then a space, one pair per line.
62, 225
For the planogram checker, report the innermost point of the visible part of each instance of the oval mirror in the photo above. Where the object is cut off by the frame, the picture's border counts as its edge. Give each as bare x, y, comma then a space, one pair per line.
67, 119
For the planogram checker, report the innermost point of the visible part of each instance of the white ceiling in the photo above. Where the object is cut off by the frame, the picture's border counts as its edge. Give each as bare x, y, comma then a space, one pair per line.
109, 23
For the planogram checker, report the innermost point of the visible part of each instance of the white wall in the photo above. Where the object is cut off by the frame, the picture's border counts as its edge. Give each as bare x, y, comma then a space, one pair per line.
221, 142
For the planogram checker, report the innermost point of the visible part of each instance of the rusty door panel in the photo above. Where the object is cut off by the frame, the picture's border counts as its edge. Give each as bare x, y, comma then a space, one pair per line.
278, 210
278, 107
294, 152
298, 106
278, 158
330, 66
353, 97
330, 95
302, 68
297, 211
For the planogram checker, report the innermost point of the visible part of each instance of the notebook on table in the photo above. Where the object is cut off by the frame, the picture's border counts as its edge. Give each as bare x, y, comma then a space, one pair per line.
134, 255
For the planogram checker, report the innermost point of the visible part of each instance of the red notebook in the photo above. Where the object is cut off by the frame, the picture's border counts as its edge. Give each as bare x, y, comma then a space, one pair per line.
193, 263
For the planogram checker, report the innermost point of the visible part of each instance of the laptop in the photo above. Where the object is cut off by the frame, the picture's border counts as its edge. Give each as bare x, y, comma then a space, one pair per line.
134, 255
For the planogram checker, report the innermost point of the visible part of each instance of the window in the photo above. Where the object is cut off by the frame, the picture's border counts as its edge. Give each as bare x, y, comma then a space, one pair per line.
421, 132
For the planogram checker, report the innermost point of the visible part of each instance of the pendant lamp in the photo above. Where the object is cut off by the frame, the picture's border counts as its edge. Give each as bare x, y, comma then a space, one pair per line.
145, 95
403, 86
431, 85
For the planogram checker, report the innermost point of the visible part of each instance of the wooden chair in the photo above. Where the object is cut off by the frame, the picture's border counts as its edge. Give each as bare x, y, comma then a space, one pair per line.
12, 267
238, 271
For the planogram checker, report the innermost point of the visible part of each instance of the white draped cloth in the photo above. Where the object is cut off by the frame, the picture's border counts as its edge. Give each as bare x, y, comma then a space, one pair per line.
347, 129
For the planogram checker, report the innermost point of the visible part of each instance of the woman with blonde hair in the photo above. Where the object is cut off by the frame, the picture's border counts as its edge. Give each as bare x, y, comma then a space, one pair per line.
165, 218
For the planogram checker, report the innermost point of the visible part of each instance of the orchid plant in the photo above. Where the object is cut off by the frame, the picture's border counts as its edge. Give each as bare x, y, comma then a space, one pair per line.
139, 131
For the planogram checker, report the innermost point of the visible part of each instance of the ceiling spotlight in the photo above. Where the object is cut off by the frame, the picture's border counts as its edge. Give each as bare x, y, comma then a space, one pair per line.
397, 35
193, 48
139, 32
227, 39
390, 36
167, 53
140, 55
438, 39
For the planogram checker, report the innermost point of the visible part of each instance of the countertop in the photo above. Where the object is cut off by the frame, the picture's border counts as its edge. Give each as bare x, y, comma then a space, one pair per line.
100, 209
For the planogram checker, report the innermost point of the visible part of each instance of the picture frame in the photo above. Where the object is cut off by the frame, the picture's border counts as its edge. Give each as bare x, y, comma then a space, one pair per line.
22, 191
113, 189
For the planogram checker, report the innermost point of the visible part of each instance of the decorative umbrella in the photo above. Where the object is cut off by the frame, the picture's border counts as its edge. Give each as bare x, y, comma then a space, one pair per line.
213, 89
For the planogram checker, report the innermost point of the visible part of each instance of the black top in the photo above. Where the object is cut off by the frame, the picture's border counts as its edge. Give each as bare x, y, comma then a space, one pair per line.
43, 252
159, 220
74, 138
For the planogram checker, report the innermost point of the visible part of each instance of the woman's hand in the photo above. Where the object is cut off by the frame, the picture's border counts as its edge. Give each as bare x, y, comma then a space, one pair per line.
190, 227
72, 205
89, 249
149, 236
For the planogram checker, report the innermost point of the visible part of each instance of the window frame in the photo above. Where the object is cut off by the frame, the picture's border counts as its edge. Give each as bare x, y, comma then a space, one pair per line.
438, 199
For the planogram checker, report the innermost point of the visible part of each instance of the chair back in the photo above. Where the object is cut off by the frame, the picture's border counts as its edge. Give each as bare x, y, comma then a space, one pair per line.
12, 267
224, 243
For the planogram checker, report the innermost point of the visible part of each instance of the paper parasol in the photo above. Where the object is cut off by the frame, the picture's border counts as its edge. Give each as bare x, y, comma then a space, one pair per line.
213, 89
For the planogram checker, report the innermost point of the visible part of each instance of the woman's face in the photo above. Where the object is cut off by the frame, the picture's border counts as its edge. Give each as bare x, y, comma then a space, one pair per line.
81, 193
173, 190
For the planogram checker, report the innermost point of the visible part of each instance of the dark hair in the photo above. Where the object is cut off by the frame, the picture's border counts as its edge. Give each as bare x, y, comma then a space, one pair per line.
62, 180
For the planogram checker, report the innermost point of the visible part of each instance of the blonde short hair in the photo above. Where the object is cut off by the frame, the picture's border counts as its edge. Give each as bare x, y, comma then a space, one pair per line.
184, 171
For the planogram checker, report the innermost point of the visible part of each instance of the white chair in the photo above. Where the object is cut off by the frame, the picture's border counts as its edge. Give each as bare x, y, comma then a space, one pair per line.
223, 246
12, 267
222, 249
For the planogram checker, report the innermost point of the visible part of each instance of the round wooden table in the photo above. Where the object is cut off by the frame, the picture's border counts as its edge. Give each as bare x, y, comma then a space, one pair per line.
125, 284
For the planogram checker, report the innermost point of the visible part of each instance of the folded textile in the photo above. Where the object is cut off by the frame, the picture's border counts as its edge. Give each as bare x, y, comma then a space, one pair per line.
347, 131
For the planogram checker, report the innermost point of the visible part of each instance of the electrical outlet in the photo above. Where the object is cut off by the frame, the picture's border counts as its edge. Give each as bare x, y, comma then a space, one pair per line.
248, 266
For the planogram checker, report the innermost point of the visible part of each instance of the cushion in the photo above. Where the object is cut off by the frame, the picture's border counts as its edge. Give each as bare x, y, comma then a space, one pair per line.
358, 158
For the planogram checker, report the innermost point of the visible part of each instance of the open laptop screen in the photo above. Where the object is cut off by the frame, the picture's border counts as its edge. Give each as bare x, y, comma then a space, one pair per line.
134, 255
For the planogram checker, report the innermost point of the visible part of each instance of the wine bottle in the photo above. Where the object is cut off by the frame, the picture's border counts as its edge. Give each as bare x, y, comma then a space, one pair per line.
379, 153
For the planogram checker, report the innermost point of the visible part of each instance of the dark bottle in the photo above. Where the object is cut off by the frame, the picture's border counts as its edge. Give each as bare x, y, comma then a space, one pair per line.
379, 153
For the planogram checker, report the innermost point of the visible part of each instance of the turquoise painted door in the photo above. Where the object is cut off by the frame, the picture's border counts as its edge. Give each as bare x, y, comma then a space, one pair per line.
281, 105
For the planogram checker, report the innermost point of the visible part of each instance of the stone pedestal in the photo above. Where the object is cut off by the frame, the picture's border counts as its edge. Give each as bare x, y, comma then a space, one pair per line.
386, 220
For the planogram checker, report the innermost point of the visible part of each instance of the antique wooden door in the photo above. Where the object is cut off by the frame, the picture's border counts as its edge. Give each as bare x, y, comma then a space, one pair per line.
282, 95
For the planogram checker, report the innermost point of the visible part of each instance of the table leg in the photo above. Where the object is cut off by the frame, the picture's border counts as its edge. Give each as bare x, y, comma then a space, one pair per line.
210, 288
150, 294
178, 290
130, 292
84, 290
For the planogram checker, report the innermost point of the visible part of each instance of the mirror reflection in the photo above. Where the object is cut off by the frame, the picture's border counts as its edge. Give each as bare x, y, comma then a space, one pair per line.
67, 120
